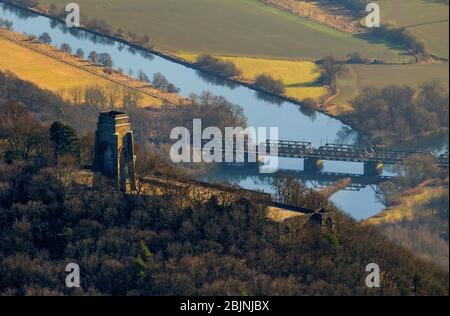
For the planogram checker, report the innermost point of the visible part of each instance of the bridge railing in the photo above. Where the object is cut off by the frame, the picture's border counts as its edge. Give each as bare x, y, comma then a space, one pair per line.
330, 151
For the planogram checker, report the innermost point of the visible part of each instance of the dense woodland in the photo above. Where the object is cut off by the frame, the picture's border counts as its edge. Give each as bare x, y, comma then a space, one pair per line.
425, 229
399, 113
169, 244
136, 245
166, 245
174, 244
426, 232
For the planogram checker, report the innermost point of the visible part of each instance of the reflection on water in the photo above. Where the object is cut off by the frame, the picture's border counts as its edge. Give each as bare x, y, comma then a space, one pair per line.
214, 80
294, 122
261, 112
359, 200
268, 98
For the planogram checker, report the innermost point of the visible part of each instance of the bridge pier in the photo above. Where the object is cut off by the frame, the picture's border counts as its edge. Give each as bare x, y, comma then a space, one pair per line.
313, 165
373, 168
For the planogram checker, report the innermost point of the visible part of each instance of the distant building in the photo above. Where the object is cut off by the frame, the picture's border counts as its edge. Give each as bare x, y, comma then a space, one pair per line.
114, 149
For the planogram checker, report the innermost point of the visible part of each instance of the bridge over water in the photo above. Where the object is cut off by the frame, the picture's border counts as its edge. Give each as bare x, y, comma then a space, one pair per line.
372, 157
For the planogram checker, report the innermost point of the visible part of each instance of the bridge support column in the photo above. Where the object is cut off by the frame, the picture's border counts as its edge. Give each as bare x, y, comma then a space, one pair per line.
313, 165
373, 168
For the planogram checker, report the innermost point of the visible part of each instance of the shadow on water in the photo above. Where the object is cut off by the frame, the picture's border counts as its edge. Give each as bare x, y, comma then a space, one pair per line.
346, 133
21, 14
214, 80
295, 122
311, 114
268, 98
53, 24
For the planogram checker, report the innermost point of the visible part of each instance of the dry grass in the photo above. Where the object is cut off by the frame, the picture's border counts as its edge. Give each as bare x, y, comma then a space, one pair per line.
407, 203
298, 76
279, 215
52, 69
327, 15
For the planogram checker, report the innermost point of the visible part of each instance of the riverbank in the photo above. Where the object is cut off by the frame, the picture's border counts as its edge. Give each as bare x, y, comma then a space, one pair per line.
150, 95
418, 221
185, 62
232, 81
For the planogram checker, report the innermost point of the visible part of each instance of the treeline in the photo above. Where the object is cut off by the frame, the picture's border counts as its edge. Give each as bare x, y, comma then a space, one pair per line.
173, 243
26, 3
45, 105
213, 111
221, 67
269, 84
413, 172
79, 107
425, 232
396, 35
400, 36
228, 69
399, 113
109, 96
357, 7
5, 23
179, 244
102, 27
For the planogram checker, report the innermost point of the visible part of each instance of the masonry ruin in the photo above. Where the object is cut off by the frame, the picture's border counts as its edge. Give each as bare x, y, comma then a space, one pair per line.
114, 149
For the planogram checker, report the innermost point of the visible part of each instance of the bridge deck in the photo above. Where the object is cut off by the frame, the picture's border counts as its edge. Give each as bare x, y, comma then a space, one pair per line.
335, 152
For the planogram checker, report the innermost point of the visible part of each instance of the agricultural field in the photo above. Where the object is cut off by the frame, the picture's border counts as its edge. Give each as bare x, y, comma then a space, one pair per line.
358, 77
330, 15
299, 77
49, 73
223, 27
426, 19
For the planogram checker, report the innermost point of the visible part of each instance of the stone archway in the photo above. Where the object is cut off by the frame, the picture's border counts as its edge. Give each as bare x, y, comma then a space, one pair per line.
108, 160
124, 169
114, 149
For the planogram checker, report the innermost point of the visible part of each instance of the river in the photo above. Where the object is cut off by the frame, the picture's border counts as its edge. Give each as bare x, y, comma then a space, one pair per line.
293, 121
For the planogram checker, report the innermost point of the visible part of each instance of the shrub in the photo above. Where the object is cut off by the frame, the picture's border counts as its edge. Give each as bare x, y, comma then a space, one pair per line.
224, 68
266, 82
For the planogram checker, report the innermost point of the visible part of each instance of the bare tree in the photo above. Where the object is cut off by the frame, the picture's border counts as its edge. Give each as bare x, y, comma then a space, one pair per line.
21, 130
131, 97
113, 93
76, 94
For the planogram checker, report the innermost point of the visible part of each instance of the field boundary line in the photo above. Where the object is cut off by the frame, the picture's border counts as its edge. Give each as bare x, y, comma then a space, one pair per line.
21, 42
275, 6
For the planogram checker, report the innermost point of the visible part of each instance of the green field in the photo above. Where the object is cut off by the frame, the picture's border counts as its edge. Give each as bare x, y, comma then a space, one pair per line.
358, 77
249, 28
426, 19
228, 27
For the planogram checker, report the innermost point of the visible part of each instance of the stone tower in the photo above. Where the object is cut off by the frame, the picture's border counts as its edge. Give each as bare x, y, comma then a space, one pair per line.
114, 149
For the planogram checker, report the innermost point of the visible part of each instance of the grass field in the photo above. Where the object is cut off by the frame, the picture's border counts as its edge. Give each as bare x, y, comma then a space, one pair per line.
426, 19
358, 77
407, 204
298, 76
224, 27
48, 73
418, 224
